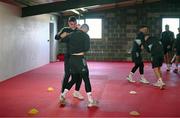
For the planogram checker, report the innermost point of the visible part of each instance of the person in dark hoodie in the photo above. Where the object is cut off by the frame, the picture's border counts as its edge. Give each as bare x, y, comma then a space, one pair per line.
59, 36
79, 43
136, 55
167, 39
154, 46
177, 49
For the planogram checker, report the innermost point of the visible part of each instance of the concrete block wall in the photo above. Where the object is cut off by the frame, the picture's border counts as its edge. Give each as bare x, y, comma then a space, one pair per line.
119, 28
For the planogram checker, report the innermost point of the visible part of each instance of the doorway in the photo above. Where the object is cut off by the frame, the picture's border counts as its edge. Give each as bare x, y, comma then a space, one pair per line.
51, 42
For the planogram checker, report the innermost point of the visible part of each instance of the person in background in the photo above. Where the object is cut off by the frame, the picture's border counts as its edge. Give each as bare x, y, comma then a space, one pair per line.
177, 49
167, 39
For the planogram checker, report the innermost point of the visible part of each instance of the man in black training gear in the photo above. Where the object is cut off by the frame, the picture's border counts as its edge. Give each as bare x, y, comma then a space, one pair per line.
62, 34
167, 39
177, 49
136, 56
79, 43
154, 46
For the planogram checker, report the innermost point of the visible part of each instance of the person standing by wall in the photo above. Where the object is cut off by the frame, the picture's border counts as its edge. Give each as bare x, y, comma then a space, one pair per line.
167, 39
177, 49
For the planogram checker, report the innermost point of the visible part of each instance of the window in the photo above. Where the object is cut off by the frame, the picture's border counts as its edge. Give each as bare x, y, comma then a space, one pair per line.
95, 27
173, 23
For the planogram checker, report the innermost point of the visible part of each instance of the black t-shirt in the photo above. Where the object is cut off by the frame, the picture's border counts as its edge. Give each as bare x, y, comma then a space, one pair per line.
66, 29
138, 42
177, 42
58, 37
167, 38
78, 41
154, 46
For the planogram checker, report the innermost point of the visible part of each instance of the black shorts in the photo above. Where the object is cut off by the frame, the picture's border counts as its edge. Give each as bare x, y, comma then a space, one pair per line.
78, 64
136, 57
166, 49
178, 52
157, 61
66, 63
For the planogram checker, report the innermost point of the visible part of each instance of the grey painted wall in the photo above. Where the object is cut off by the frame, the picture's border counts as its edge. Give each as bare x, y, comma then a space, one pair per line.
23, 41
120, 28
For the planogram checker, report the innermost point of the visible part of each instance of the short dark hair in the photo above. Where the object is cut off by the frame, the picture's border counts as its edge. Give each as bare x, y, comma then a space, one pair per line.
72, 19
143, 26
85, 26
166, 25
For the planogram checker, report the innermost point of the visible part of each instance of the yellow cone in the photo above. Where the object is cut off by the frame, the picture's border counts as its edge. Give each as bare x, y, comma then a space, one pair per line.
33, 111
134, 113
50, 89
133, 92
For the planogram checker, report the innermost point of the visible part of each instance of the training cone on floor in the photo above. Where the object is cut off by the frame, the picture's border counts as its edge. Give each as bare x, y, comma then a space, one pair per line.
133, 92
33, 111
50, 89
134, 113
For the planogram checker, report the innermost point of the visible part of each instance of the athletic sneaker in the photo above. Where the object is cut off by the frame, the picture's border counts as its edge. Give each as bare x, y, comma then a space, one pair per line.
62, 100
130, 79
159, 84
144, 80
175, 70
78, 95
94, 103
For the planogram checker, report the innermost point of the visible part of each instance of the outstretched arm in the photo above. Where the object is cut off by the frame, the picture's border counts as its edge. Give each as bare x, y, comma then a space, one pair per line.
62, 34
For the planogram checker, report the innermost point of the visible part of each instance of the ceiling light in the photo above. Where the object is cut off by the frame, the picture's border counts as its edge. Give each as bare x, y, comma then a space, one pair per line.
83, 9
75, 11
